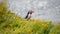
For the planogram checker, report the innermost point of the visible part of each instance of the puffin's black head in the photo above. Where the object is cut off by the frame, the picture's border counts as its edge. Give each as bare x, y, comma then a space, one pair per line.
30, 11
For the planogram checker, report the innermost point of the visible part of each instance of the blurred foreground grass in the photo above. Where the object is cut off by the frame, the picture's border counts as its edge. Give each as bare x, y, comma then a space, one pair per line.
10, 23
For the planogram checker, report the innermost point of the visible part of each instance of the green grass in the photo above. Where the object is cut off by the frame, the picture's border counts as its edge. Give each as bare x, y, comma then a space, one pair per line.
13, 24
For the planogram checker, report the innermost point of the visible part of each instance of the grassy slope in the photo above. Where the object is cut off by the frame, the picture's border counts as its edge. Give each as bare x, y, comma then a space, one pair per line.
12, 24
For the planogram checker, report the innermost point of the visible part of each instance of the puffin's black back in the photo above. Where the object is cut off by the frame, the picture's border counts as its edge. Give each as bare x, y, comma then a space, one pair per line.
27, 15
